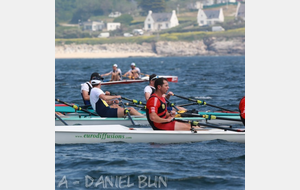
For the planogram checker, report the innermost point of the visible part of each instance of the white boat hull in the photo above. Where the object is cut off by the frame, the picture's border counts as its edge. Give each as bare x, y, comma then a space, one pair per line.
73, 120
119, 133
143, 79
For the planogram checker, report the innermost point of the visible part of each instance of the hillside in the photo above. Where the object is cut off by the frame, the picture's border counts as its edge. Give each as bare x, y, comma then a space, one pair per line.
187, 39
68, 19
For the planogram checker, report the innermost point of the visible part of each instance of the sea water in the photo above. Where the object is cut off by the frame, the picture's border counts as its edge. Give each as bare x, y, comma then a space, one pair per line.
213, 164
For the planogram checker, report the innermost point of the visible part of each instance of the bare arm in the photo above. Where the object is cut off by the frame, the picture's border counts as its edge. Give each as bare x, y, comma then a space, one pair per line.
147, 95
169, 95
108, 97
85, 95
126, 73
106, 74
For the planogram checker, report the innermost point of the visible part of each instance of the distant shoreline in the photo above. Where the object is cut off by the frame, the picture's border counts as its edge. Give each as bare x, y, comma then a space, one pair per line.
102, 55
119, 55
209, 47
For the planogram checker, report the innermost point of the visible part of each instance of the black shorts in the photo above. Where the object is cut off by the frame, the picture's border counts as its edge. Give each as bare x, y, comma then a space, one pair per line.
111, 112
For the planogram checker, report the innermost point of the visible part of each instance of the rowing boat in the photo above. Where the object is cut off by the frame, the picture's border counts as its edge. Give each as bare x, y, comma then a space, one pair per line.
62, 108
119, 133
143, 79
77, 119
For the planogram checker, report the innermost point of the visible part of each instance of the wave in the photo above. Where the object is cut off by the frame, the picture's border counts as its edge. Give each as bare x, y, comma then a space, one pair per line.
203, 97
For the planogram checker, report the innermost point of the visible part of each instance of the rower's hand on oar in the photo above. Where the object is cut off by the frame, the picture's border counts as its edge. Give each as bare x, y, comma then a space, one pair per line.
169, 94
173, 113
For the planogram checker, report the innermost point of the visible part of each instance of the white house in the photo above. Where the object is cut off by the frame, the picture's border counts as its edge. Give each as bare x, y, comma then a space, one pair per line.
113, 26
93, 25
240, 11
210, 17
114, 14
160, 21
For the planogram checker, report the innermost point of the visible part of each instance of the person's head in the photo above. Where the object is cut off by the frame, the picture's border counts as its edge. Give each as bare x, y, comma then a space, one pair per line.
161, 85
152, 79
132, 65
115, 66
94, 75
96, 81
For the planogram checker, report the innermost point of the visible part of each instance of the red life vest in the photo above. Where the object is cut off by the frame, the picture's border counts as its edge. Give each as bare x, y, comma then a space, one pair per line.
161, 111
242, 109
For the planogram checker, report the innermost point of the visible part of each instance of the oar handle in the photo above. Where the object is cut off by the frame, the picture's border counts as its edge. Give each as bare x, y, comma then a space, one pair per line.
75, 107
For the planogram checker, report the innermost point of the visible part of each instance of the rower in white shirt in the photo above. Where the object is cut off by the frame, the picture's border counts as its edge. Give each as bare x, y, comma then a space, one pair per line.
134, 72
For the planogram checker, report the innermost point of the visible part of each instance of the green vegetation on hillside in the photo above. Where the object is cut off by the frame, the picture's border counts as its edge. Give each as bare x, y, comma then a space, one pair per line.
188, 36
69, 13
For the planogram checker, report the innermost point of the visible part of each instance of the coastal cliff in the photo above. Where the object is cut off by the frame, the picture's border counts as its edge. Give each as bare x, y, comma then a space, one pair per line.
212, 46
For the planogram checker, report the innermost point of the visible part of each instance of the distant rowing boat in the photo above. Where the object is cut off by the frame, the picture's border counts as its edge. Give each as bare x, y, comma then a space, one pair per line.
119, 133
143, 79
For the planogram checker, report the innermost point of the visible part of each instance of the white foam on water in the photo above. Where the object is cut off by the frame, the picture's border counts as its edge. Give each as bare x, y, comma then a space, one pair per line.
203, 97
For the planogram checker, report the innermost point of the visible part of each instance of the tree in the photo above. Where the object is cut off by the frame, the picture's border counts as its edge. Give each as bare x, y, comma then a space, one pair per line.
155, 6
124, 19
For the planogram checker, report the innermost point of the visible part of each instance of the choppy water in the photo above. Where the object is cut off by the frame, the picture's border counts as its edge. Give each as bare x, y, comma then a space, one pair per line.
205, 165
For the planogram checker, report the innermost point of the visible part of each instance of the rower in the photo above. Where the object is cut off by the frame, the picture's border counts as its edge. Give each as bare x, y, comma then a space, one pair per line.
87, 87
150, 89
242, 109
134, 72
156, 110
116, 73
99, 102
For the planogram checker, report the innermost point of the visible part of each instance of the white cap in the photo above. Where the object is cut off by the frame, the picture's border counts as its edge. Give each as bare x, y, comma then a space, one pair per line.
96, 81
115, 65
132, 64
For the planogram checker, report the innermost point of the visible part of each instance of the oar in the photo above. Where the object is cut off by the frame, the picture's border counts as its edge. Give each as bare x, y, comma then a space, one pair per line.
131, 100
127, 77
138, 106
201, 102
76, 107
127, 111
134, 101
196, 123
194, 103
209, 116
145, 74
85, 106
60, 119
172, 104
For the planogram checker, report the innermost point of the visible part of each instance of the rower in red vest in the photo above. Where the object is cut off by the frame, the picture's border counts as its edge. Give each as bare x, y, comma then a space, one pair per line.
242, 109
